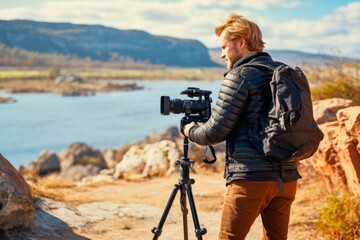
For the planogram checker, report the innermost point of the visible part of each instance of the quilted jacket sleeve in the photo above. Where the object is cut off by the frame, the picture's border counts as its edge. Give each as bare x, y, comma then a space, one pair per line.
229, 106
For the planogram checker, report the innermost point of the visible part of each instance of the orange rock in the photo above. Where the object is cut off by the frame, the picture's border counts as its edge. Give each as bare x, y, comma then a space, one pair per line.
325, 110
338, 157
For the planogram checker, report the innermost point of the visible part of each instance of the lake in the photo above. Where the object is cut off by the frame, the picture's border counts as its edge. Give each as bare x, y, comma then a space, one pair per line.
52, 122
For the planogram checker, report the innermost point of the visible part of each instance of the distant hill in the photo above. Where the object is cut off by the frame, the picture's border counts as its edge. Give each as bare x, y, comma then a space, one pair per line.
290, 57
102, 43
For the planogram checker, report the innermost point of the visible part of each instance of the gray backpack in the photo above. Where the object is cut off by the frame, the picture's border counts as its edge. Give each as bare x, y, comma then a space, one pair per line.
289, 132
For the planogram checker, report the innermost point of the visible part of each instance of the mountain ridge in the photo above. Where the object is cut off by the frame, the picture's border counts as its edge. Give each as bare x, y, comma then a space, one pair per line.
107, 44
103, 43
290, 57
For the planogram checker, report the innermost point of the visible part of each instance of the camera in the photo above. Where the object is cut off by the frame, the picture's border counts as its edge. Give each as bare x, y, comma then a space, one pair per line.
195, 110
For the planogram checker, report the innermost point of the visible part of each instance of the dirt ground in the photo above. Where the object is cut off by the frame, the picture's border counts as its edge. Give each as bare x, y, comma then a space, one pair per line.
149, 197
208, 193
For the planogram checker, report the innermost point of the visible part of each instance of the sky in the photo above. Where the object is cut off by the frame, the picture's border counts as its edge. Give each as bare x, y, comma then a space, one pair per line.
314, 26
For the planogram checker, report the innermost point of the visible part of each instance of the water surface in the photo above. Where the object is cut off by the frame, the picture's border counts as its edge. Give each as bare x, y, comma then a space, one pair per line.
52, 122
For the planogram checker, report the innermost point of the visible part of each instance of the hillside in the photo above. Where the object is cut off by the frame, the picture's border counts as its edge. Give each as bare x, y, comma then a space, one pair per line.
102, 43
25, 43
291, 57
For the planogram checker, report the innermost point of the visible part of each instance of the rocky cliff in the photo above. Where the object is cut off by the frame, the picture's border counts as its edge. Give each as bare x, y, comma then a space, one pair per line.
337, 160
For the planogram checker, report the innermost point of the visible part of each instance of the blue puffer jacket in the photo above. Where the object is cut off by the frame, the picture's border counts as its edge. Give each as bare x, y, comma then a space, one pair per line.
244, 98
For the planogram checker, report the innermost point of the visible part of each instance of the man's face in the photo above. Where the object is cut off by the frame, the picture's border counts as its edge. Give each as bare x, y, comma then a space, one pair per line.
230, 49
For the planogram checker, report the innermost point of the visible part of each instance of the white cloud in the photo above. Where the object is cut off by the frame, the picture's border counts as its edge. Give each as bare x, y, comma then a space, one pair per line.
197, 19
266, 4
350, 13
337, 30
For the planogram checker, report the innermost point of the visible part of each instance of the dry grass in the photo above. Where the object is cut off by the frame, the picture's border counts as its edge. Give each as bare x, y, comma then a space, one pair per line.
51, 189
147, 74
53, 184
23, 74
50, 86
311, 209
337, 79
30, 86
340, 216
100, 183
38, 81
156, 74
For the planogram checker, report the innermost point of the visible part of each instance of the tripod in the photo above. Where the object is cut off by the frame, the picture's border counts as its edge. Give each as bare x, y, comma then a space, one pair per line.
184, 186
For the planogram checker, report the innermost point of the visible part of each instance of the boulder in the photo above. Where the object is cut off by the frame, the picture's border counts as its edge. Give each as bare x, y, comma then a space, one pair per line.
78, 172
155, 159
325, 110
69, 78
29, 171
81, 154
171, 133
16, 203
338, 157
47, 162
110, 156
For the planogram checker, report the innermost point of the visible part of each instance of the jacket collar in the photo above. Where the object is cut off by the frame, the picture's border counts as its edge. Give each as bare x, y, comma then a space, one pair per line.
247, 59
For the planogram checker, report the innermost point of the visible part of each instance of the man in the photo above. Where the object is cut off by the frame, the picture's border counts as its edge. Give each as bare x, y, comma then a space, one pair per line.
244, 98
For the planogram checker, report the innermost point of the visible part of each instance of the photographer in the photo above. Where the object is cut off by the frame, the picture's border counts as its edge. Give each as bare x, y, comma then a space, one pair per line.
244, 97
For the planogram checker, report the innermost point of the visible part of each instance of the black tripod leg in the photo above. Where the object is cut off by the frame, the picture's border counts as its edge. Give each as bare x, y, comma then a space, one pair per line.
198, 231
184, 211
157, 230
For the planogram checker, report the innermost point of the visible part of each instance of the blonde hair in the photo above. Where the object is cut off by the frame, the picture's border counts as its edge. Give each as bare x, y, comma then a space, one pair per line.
239, 26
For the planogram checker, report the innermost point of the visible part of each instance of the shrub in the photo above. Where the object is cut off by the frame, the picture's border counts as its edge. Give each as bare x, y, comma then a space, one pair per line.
340, 217
335, 79
54, 72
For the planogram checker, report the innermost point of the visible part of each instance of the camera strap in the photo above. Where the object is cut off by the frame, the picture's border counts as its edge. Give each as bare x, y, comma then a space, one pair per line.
205, 160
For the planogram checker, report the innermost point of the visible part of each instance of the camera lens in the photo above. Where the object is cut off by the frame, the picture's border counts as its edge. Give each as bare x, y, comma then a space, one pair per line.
165, 105
177, 106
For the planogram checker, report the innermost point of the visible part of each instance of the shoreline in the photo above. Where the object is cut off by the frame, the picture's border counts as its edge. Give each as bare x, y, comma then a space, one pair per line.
28, 74
7, 100
88, 88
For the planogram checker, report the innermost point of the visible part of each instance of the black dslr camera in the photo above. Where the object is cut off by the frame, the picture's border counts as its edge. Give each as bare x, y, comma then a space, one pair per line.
195, 110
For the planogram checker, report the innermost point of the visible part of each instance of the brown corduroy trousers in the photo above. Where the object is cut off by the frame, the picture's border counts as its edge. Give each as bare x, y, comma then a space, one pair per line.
245, 200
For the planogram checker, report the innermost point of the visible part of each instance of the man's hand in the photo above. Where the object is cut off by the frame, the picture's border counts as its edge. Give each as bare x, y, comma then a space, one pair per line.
187, 127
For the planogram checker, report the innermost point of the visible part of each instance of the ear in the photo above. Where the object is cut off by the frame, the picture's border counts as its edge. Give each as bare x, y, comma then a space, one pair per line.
238, 43
242, 42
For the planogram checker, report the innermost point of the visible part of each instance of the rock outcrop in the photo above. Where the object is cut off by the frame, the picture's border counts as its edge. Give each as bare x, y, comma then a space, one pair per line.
81, 154
48, 162
155, 159
81, 160
155, 156
111, 157
57, 220
338, 157
16, 204
325, 110
69, 78
78, 172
